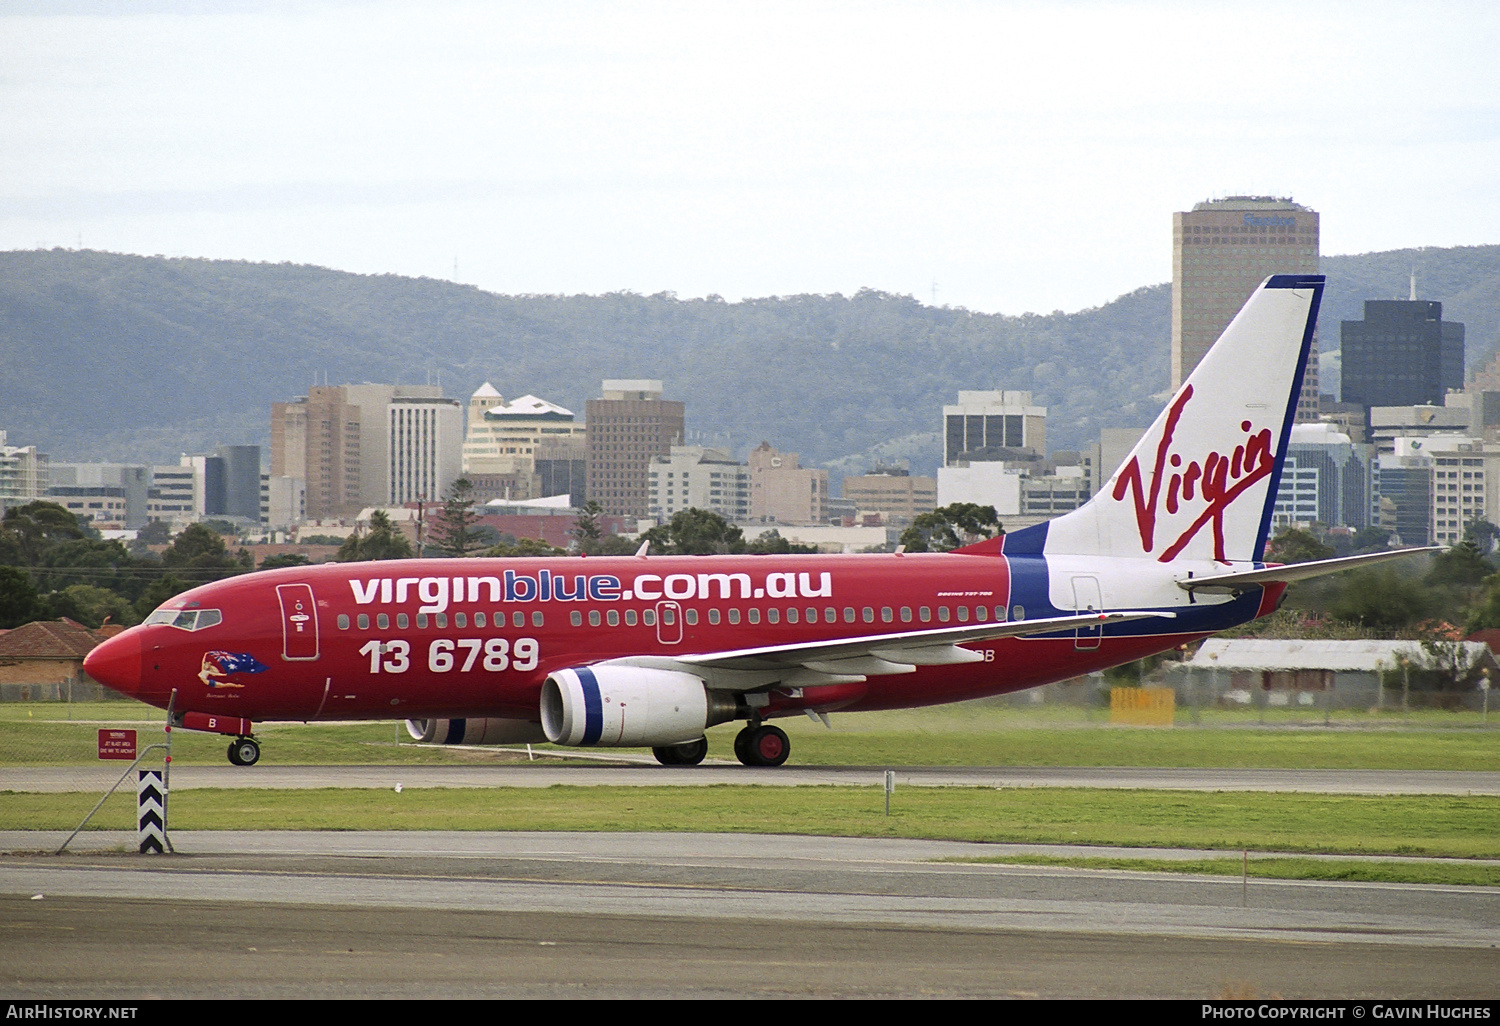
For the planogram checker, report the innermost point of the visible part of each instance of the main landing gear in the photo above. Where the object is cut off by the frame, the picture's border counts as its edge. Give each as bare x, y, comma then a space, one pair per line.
756, 745
689, 753
762, 745
244, 751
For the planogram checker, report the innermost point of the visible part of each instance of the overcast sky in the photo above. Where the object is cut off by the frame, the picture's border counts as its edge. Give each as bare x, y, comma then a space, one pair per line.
1020, 156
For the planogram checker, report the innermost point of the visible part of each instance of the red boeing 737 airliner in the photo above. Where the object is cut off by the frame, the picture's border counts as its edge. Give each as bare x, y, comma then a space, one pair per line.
651, 651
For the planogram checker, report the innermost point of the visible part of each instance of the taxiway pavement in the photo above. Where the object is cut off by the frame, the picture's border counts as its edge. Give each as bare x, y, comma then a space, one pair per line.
430, 914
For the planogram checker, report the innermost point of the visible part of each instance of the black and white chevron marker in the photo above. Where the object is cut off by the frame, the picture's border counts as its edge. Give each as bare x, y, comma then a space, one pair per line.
151, 812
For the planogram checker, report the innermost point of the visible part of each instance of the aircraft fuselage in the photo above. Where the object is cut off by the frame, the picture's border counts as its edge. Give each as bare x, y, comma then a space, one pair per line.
477, 637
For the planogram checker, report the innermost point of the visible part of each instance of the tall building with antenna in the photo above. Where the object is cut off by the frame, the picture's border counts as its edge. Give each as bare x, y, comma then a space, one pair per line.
1221, 251
1402, 354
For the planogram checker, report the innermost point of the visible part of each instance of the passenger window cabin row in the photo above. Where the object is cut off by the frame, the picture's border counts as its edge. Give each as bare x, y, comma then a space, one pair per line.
733, 615
440, 620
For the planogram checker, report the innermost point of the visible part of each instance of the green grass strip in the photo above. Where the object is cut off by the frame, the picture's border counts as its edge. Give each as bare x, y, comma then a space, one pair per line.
988, 737
1304, 747
1449, 826
1360, 871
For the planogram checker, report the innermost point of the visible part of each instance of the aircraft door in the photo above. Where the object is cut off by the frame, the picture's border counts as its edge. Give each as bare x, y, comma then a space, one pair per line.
1086, 597
299, 622
668, 623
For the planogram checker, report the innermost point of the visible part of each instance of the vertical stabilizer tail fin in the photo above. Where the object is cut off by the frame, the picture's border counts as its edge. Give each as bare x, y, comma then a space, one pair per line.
1202, 481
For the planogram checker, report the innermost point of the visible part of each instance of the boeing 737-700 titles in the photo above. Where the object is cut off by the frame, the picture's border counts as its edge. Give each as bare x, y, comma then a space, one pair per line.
651, 651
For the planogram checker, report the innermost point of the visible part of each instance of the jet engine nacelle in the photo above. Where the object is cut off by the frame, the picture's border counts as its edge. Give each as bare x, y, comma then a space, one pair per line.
630, 707
475, 731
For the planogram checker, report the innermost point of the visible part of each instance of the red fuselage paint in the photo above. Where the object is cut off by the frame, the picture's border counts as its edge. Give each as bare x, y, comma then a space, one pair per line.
477, 637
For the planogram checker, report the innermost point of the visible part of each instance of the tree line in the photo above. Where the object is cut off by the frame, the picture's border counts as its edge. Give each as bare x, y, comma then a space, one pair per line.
52, 564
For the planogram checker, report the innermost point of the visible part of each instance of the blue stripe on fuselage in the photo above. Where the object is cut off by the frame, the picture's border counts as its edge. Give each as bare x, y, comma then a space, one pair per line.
1031, 589
1028, 541
1030, 585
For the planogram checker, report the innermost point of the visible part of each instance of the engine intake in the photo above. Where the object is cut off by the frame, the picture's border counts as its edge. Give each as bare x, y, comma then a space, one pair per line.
631, 707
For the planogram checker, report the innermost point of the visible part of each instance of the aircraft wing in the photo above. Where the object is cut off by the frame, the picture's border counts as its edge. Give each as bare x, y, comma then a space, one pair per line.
1242, 580
844, 660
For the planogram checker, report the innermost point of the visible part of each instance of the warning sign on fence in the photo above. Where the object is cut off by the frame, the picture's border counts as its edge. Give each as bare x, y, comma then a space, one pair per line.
116, 744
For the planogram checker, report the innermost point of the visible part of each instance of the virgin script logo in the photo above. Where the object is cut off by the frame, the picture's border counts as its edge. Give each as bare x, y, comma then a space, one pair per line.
1216, 482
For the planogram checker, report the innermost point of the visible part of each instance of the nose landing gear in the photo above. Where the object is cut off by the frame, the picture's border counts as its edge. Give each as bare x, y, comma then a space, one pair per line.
244, 751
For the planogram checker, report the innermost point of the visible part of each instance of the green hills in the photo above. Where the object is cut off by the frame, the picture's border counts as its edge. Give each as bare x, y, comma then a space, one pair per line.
110, 356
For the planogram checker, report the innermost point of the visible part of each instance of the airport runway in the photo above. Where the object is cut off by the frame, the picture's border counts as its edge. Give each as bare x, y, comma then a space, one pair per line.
416, 915
408, 914
1320, 781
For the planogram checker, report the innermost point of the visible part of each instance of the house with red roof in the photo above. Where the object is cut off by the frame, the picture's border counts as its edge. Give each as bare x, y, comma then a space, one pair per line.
43, 661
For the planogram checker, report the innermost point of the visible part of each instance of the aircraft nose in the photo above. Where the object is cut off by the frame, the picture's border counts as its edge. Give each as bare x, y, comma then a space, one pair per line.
116, 663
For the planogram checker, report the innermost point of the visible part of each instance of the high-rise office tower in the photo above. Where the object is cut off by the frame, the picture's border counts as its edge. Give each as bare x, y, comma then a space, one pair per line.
1223, 249
628, 425
1402, 354
986, 426
317, 438
241, 480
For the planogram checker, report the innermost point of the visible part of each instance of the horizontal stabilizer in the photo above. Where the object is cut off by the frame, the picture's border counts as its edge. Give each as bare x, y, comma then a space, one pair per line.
1243, 580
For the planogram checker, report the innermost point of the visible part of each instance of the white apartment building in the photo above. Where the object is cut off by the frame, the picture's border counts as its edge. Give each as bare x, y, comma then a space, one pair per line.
695, 477
176, 492
283, 500
23, 474
1464, 486
374, 402
983, 484
425, 448
1450, 420
108, 493
1051, 495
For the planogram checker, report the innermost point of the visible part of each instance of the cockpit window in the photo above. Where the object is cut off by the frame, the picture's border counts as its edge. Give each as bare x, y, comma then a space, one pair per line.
186, 619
